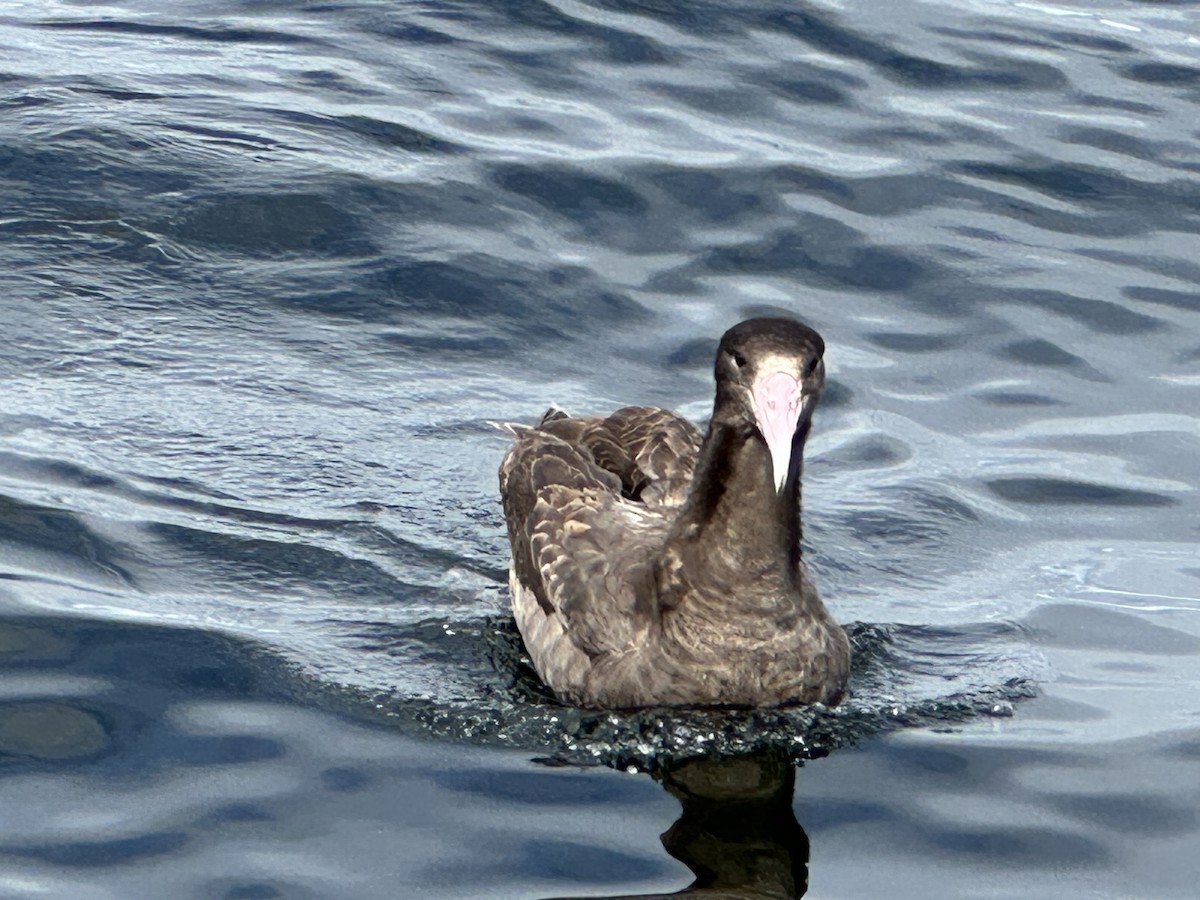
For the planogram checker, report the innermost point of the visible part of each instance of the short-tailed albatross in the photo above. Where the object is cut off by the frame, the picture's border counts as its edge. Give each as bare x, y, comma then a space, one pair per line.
654, 567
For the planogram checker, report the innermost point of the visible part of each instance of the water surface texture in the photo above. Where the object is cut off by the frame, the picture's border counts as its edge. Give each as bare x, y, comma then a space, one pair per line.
270, 270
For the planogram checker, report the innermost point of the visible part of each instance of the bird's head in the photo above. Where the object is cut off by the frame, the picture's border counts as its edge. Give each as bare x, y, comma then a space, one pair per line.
770, 372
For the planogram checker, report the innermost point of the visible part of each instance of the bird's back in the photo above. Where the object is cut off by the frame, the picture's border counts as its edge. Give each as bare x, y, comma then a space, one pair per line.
588, 502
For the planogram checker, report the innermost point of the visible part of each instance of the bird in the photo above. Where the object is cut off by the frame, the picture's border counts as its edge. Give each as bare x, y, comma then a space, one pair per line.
653, 566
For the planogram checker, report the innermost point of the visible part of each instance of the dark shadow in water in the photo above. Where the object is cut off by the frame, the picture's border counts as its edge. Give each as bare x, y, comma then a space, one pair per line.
737, 830
134, 674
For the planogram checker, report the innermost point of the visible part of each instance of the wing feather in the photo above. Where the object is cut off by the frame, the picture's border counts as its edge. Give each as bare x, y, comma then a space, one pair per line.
652, 451
663, 447
582, 550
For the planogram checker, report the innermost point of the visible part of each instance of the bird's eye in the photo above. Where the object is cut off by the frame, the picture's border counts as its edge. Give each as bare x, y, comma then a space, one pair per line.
738, 359
811, 367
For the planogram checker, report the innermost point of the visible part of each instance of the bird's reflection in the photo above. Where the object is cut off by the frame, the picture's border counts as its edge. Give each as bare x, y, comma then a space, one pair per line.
737, 831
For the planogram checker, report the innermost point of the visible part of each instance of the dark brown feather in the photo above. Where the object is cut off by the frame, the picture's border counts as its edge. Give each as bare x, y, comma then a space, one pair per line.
650, 567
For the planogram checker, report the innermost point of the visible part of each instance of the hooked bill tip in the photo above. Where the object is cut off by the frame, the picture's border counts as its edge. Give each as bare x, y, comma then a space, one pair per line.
778, 399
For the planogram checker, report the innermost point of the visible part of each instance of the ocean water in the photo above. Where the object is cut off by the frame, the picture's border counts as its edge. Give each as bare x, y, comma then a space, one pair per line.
270, 270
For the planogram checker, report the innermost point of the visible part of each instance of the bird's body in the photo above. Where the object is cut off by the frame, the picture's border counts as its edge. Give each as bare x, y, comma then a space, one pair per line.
654, 567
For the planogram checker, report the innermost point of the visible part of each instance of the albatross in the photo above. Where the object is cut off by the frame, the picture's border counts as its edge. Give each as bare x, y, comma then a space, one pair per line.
654, 566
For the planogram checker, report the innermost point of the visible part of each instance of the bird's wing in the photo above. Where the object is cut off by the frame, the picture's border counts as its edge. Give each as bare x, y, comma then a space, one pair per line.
663, 446
652, 451
579, 547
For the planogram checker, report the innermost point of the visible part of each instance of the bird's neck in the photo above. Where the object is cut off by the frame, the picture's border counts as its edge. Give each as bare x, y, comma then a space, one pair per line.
735, 525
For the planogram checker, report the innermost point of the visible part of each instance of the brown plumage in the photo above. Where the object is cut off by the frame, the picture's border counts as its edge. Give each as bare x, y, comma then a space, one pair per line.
651, 567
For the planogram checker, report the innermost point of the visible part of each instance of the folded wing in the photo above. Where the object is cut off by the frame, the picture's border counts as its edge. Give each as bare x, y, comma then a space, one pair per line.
588, 503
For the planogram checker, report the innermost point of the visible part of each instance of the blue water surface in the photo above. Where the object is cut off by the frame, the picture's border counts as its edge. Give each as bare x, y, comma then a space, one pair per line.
270, 270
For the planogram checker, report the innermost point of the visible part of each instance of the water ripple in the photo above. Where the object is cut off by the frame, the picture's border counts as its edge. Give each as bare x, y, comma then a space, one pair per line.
274, 270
